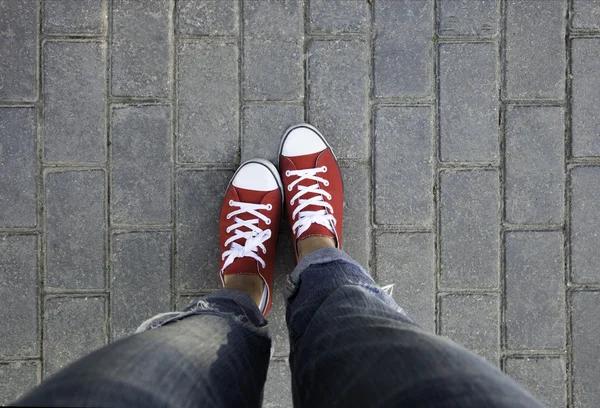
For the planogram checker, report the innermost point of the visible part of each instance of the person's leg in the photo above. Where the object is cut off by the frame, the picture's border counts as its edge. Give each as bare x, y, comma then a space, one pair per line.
214, 354
351, 345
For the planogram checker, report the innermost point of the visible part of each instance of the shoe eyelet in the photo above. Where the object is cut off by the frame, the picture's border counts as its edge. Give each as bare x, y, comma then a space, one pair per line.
329, 196
228, 216
326, 183
289, 188
228, 230
268, 222
231, 203
287, 173
291, 202
324, 169
269, 207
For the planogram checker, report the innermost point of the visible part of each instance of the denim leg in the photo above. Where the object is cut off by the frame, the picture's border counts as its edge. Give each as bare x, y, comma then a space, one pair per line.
352, 346
213, 354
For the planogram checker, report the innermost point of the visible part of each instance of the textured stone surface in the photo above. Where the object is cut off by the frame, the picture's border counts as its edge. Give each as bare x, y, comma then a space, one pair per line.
403, 63
356, 227
141, 48
73, 327
535, 43
75, 233
18, 39
468, 102
207, 17
264, 126
534, 163
140, 279
533, 257
403, 174
208, 126
75, 16
17, 167
141, 165
586, 14
74, 101
585, 222
469, 17
18, 294
16, 378
199, 200
338, 16
586, 94
406, 260
338, 94
544, 378
273, 41
586, 349
278, 388
472, 321
469, 229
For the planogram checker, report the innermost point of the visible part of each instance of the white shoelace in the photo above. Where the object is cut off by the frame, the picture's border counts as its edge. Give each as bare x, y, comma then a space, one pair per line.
254, 238
306, 218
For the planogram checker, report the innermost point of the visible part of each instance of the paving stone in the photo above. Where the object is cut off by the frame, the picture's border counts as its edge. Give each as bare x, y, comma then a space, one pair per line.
535, 33
18, 296
199, 199
338, 16
468, 102
284, 265
407, 261
534, 165
18, 46
586, 349
141, 165
586, 14
403, 137
16, 378
273, 45
73, 328
338, 94
468, 17
469, 229
585, 223
208, 127
357, 223
274, 19
278, 388
403, 56
141, 48
75, 233
18, 154
543, 377
74, 101
140, 279
263, 127
472, 321
585, 95
75, 16
207, 17
535, 293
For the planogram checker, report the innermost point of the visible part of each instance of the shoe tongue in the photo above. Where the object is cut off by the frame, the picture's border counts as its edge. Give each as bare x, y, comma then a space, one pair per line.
246, 265
309, 161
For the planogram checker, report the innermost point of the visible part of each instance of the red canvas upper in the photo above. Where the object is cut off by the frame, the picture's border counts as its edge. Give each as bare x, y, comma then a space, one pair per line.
248, 265
335, 189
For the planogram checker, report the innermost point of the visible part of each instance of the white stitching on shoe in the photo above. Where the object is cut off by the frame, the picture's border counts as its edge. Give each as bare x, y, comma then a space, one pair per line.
254, 238
306, 218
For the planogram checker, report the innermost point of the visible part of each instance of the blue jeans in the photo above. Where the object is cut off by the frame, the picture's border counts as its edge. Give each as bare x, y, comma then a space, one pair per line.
351, 346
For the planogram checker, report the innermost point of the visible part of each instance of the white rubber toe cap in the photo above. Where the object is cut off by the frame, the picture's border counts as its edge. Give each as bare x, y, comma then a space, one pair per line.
255, 176
301, 141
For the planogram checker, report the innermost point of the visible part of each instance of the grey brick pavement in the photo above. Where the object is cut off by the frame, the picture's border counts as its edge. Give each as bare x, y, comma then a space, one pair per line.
468, 132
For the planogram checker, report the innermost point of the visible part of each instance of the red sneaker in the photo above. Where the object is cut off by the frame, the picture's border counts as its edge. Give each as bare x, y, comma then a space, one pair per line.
314, 193
249, 225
